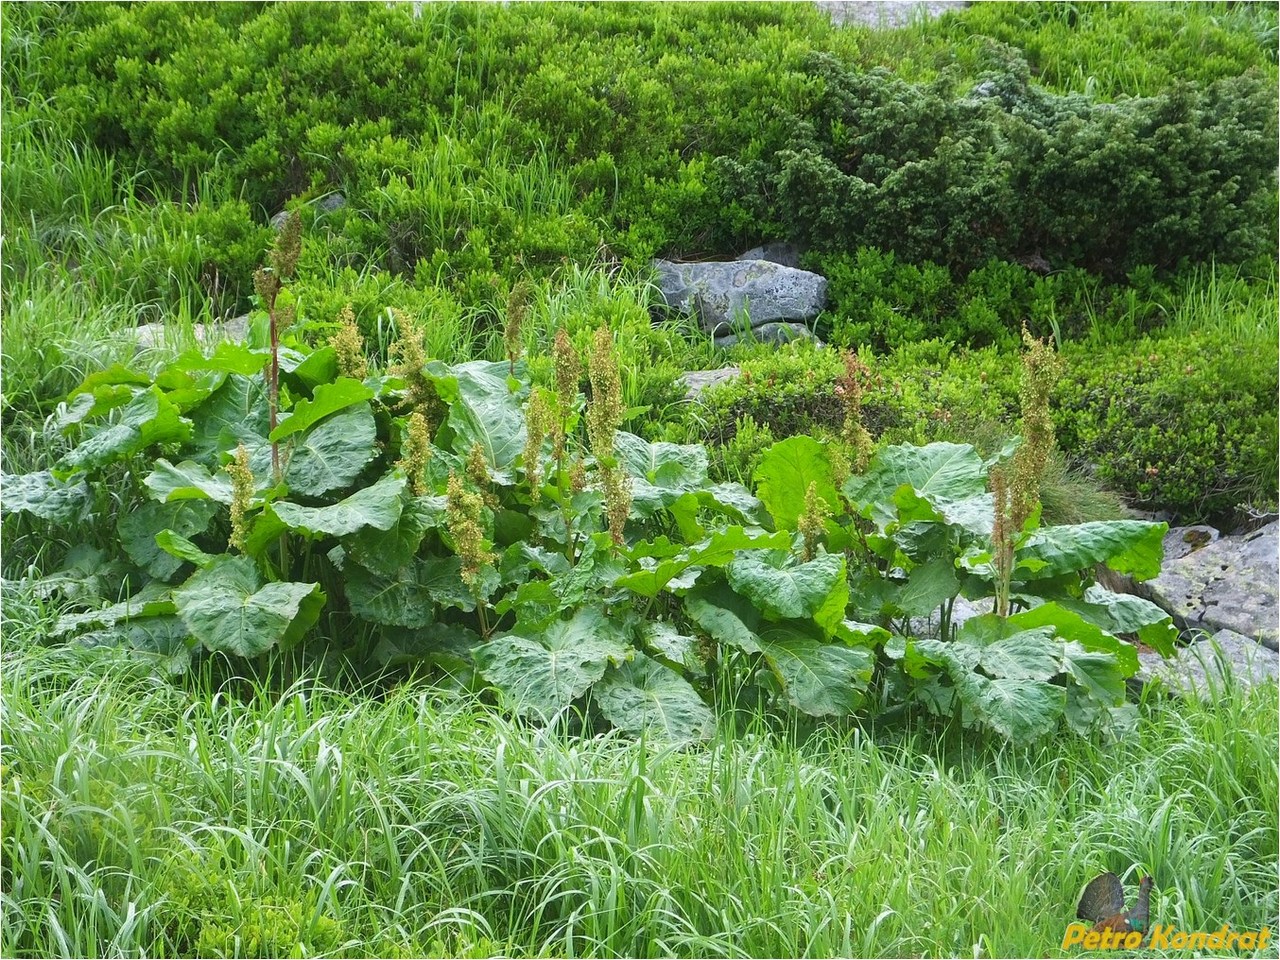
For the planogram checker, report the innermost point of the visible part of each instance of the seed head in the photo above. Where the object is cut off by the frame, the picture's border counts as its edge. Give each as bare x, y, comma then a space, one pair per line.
241, 496
349, 346
464, 517
812, 521
415, 452
288, 247
517, 310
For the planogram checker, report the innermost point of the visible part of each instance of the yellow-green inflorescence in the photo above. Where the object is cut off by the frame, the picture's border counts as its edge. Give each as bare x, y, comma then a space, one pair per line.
540, 422
410, 353
415, 452
604, 416
349, 346
517, 311
812, 521
1003, 533
464, 516
1041, 369
849, 388
241, 497
568, 370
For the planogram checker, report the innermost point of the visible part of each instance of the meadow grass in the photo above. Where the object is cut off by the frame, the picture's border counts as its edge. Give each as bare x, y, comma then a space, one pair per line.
144, 817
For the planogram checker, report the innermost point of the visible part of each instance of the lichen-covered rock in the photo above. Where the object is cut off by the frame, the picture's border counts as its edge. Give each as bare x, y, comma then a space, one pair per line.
1200, 668
729, 295
787, 254
1229, 583
696, 381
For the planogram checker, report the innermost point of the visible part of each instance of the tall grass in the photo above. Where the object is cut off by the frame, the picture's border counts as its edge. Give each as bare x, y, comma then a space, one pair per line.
144, 818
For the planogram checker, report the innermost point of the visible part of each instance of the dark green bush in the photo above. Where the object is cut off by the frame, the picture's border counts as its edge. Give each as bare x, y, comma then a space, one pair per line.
1014, 172
1186, 424
877, 299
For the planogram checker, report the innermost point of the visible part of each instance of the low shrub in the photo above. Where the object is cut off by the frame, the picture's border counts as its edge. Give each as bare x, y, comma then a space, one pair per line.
1186, 424
1015, 172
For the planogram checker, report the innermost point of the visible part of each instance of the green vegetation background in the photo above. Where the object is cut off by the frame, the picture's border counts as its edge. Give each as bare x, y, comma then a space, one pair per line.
144, 149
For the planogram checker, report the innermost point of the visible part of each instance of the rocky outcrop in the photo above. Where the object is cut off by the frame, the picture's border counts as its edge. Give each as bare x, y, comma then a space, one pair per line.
326, 204
886, 14
150, 335
731, 297
1201, 668
696, 381
1220, 583
786, 254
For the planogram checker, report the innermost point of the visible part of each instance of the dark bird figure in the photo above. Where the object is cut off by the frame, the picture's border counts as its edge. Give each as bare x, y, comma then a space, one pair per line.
1103, 902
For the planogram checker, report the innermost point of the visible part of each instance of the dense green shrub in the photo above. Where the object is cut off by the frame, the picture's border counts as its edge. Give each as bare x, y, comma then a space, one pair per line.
624, 108
1187, 424
1015, 172
1183, 423
877, 299
1111, 49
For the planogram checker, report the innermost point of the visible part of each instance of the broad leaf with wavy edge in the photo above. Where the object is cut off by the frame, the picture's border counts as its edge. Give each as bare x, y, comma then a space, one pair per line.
540, 676
228, 608
783, 476
644, 698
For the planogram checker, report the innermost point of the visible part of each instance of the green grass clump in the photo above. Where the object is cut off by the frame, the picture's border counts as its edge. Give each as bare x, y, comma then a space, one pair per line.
144, 818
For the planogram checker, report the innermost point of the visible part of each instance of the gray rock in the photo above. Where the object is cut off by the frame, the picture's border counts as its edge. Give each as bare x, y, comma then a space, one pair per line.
1201, 668
1229, 583
698, 380
727, 295
1180, 541
331, 202
770, 333
152, 335
885, 13
786, 254
326, 204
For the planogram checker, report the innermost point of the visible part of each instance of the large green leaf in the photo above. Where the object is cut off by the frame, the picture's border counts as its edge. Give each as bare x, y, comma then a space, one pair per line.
385, 552
928, 586
228, 608
660, 473
238, 410
938, 472
153, 600
672, 561
1020, 710
228, 357
164, 638
377, 506
187, 481
1135, 547
149, 418
330, 455
817, 589
665, 640
401, 598
541, 676
320, 367
725, 616
1125, 613
819, 679
645, 698
329, 399
139, 526
783, 476
1071, 627
1097, 674
486, 412
43, 495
